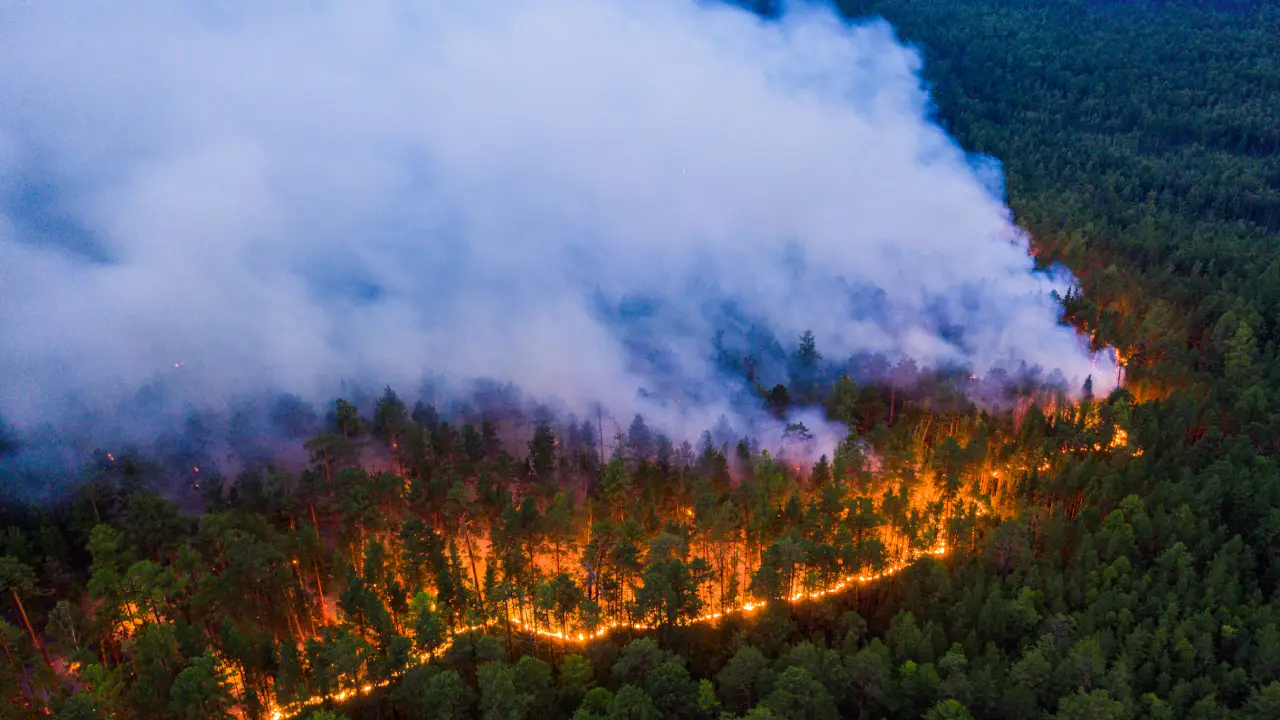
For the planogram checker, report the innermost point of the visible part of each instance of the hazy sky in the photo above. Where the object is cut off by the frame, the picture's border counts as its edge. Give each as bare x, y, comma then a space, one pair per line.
278, 195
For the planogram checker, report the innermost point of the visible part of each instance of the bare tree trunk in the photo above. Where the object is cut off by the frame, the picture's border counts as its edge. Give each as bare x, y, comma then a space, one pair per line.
35, 640
328, 474
296, 624
315, 523
324, 618
302, 597
471, 557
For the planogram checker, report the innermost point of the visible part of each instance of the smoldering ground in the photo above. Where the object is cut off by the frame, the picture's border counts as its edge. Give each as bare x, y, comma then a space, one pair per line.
200, 203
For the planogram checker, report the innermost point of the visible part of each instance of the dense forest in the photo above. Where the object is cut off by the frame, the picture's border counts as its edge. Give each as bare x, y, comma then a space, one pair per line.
1113, 557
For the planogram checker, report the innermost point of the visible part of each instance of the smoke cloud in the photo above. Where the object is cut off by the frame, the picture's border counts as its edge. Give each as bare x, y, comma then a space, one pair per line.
202, 201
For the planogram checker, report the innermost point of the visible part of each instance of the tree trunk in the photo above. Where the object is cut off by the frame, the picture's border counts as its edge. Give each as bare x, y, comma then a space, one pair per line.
328, 474
320, 588
302, 598
35, 640
471, 557
315, 523
506, 617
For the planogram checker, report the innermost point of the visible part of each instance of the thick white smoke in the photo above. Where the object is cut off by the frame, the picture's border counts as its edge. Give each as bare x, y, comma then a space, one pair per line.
232, 198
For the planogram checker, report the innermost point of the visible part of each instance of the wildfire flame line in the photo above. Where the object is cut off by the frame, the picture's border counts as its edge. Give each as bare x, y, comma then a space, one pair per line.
289, 711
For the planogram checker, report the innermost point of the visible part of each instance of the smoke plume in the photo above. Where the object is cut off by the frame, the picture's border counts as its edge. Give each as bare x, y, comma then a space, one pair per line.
200, 201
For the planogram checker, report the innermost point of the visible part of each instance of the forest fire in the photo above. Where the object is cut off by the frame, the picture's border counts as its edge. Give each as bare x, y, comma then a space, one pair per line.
1034, 471
580, 636
553, 549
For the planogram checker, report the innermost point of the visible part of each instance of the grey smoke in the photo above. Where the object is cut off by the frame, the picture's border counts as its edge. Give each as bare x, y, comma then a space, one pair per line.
219, 200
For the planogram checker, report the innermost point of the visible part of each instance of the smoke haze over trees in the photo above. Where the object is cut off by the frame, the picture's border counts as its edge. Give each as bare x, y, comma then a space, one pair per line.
1022, 556
199, 204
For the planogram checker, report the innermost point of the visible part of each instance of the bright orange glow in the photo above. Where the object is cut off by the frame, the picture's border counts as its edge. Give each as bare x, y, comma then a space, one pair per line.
977, 489
582, 637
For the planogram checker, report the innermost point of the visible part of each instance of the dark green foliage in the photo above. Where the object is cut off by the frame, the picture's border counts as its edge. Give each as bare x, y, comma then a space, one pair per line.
1141, 145
446, 697
797, 695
